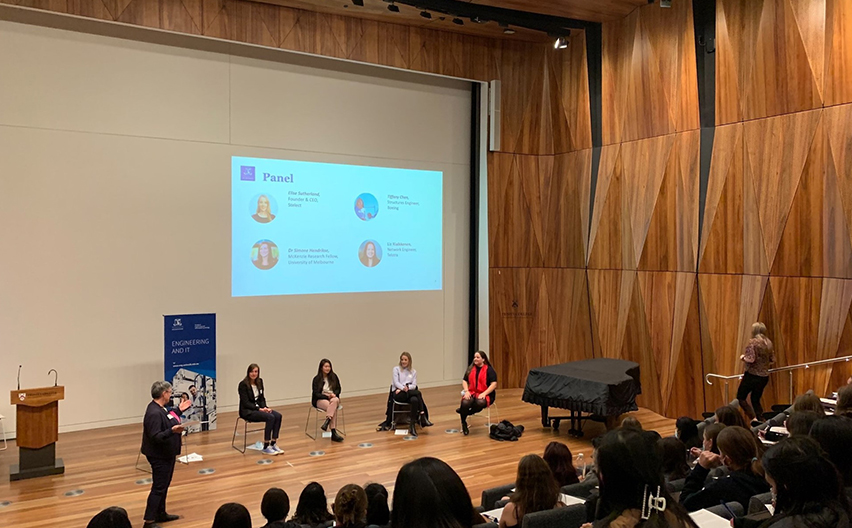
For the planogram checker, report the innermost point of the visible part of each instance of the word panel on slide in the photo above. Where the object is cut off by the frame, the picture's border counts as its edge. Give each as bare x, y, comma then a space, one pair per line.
305, 227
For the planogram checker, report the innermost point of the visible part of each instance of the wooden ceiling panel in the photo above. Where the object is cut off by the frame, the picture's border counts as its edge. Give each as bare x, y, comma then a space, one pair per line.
594, 11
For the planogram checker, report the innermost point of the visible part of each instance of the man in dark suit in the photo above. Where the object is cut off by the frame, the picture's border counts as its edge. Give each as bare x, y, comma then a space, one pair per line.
160, 445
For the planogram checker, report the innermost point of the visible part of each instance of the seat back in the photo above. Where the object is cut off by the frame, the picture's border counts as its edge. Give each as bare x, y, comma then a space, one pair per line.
581, 490
492, 495
757, 504
568, 517
722, 512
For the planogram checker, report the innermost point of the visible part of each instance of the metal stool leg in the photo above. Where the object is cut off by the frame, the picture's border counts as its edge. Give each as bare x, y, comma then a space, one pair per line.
3, 428
307, 421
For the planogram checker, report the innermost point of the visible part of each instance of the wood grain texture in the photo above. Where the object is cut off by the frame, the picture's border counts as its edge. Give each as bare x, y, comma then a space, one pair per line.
837, 206
538, 317
729, 38
838, 60
479, 462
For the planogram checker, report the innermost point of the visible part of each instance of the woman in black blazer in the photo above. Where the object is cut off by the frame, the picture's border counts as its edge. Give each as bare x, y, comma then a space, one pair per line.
253, 408
325, 395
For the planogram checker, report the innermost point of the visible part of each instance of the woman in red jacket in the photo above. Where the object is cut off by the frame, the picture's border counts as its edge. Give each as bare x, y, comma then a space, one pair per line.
479, 388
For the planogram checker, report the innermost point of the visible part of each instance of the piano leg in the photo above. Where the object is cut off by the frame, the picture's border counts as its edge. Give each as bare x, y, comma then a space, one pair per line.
576, 425
545, 422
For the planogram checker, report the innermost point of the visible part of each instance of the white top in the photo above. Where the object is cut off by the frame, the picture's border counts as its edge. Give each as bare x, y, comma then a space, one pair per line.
325, 386
255, 391
402, 376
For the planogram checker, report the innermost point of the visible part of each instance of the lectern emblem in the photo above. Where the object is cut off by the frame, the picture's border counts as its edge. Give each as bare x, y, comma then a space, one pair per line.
22, 396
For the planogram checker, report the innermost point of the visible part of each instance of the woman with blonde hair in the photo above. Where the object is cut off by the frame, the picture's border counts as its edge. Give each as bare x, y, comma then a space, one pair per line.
405, 391
759, 355
263, 214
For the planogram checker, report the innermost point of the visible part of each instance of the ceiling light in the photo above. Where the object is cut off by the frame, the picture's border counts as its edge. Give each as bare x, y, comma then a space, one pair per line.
393, 8
477, 20
509, 31
560, 43
457, 21
426, 14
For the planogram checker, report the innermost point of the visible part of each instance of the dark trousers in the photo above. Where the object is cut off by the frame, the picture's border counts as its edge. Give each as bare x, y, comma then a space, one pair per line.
471, 406
412, 398
272, 419
162, 470
754, 384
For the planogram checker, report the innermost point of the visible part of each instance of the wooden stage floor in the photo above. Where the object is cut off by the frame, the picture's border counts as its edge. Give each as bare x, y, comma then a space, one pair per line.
101, 462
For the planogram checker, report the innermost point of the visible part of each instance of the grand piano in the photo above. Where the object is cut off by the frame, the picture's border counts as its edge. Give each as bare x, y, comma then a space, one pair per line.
599, 389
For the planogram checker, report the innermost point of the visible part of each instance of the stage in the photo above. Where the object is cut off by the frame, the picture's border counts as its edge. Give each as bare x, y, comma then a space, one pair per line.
101, 462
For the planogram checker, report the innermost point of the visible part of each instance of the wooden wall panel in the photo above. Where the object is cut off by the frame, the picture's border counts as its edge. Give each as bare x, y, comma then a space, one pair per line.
729, 39
837, 211
650, 85
539, 210
539, 317
838, 60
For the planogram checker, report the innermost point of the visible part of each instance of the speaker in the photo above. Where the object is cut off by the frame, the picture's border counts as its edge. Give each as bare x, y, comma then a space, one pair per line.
494, 115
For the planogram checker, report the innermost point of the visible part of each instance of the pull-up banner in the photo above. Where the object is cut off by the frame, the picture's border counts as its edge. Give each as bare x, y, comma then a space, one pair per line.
190, 347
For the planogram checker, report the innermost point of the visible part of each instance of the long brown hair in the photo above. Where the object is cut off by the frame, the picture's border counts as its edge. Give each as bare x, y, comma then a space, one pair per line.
535, 487
740, 447
247, 379
333, 380
485, 362
350, 505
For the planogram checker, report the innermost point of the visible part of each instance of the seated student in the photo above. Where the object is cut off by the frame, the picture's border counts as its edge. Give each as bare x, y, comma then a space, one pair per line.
711, 433
686, 430
808, 402
535, 490
312, 509
730, 415
325, 395
561, 463
806, 487
631, 422
378, 513
632, 486
800, 423
844, 401
429, 494
253, 408
834, 435
738, 451
232, 515
113, 517
673, 453
479, 388
275, 506
406, 391
350, 507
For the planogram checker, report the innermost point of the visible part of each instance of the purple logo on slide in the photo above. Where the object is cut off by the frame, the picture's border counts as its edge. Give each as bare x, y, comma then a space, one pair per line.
246, 173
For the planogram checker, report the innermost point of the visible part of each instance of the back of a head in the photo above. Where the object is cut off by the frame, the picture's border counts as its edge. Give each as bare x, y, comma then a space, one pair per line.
377, 504
232, 515
739, 445
312, 507
429, 494
808, 402
834, 435
711, 434
112, 517
631, 423
800, 423
687, 429
630, 471
673, 453
844, 400
275, 505
350, 505
730, 416
535, 487
804, 477
560, 461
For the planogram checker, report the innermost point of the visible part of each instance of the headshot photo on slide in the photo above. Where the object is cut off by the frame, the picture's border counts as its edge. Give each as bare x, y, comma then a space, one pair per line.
370, 253
366, 206
264, 254
263, 208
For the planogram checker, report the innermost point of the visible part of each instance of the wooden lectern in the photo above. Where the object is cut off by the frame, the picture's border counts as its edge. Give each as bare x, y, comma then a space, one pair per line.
37, 432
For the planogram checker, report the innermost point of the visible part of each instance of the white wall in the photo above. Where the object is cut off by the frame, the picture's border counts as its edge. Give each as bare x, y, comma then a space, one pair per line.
115, 210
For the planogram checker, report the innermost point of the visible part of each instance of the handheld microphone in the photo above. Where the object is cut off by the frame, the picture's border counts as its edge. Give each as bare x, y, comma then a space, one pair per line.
19, 376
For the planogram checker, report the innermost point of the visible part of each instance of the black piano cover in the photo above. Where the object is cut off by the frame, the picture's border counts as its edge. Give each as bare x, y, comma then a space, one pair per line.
600, 386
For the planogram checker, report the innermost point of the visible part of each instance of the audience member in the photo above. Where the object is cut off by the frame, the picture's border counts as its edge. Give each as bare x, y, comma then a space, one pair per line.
350, 507
535, 490
738, 451
313, 507
378, 513
632, 486
807, 489
686, 430
113, 517
844, 401
673, 454
834, 435
808, 402
561, 463
232, 515
711, 433
630, 422
799, 423
429, 494
275, 506
730, 415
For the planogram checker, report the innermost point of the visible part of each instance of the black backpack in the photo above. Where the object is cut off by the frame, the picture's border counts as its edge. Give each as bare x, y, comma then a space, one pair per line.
505, 430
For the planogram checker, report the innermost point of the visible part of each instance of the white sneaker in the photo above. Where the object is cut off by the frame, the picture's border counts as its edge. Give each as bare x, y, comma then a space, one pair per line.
276, 448
269, 451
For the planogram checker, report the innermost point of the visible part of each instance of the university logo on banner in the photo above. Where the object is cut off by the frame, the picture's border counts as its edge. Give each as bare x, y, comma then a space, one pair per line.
190, 366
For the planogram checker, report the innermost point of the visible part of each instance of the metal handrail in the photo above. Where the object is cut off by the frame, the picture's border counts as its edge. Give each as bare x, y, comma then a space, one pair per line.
788, 368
